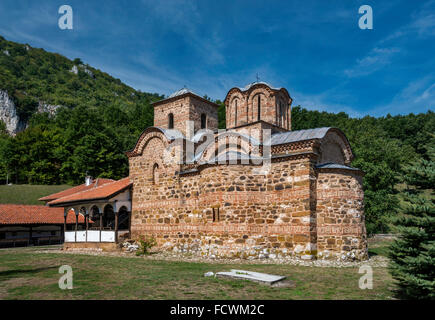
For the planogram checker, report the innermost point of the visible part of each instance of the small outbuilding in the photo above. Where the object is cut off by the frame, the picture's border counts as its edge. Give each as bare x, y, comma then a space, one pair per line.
24, 225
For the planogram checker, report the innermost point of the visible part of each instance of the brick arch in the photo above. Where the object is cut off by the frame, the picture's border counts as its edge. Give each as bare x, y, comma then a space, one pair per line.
230, 94
213, 149
145, 137
268, 91
335, 148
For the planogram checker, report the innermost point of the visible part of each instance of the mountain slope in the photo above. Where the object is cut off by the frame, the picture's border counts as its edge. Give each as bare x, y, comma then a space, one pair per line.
33, 80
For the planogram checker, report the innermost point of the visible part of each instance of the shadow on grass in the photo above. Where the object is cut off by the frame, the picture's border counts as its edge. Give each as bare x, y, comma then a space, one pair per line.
7, 274
372, 253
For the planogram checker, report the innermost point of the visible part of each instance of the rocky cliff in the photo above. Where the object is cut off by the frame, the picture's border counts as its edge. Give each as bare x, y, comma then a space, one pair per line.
8, 114
10, 117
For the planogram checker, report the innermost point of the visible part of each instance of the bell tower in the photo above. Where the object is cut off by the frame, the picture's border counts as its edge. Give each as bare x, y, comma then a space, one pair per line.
258, 102
184, 105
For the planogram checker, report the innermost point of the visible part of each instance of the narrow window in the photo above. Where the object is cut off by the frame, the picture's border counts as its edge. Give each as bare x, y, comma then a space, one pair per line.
171, 121
203, 121
216, 215
235, 120
276, 114
155, 173
259, 107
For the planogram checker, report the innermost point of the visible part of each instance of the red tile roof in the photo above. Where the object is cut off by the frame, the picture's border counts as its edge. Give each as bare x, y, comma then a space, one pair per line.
97, 182
101, 192
28, 214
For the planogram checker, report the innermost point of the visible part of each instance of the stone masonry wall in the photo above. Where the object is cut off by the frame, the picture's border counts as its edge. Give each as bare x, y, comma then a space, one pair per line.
225, 210
340, 215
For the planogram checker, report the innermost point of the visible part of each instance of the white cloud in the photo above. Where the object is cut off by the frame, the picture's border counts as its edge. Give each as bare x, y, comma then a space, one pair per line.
422, 24
323, 102
185, 19
374, 61
417, 96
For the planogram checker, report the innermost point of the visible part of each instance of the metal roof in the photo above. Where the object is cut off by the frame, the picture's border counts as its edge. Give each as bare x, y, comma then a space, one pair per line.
331, 165
257, 82
171, 134
299, 135
232, 156
181, 92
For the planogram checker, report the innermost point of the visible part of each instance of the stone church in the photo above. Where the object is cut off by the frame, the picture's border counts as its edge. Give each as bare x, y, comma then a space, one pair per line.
226, 198
254, 190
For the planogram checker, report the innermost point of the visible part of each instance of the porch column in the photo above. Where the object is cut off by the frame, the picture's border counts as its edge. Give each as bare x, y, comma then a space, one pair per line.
129, 224
77, 224
87, 225
101, 223
116, 226
65, 213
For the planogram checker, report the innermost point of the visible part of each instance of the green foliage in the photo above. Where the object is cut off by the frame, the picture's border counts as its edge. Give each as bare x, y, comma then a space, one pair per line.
413, 253
145, 244
101, 118
221, 114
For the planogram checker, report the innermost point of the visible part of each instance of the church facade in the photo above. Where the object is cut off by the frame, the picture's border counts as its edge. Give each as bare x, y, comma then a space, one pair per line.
254, 190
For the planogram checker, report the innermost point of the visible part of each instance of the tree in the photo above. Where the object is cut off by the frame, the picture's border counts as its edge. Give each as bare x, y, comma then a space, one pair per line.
413, 253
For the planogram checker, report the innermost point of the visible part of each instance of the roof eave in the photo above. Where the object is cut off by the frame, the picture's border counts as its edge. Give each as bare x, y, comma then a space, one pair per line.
163, 101
75, 202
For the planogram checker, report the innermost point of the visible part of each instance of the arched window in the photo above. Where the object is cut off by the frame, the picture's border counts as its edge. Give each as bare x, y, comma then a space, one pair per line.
108, 217
156, 174
95, 217
235, 113
203, 121
171, 121
123, 219
258, 107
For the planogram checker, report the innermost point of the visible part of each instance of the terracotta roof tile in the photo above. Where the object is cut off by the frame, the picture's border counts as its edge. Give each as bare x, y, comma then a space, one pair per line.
29, 214
102, 192
97, 182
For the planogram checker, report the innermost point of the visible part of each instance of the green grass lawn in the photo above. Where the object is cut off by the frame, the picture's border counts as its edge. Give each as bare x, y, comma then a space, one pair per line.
28, 274
26, 193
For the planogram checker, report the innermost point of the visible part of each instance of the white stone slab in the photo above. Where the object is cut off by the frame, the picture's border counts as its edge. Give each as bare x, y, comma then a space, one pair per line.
251, 275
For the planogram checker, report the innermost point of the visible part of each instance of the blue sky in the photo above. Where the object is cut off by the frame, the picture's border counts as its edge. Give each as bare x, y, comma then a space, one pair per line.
315, 49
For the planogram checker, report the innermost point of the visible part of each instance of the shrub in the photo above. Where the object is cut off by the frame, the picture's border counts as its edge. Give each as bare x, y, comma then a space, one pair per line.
145, 244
